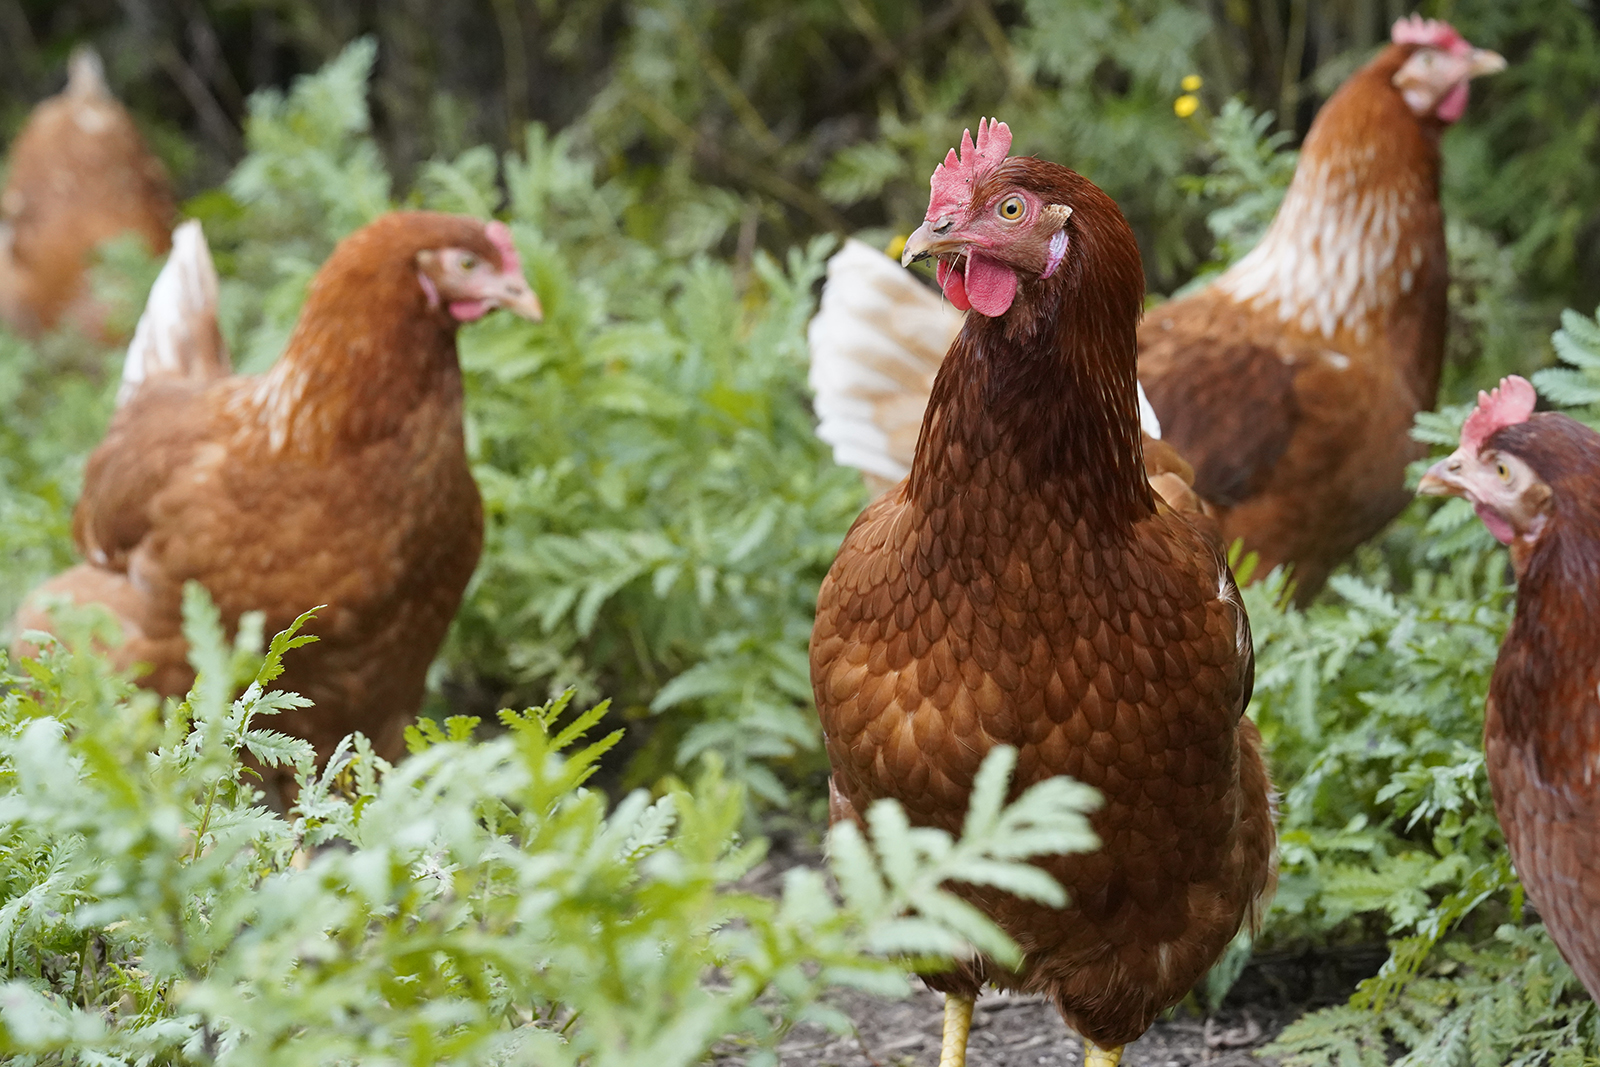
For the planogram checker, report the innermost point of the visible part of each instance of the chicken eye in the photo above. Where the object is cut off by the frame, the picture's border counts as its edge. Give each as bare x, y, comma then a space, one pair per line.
1011, 208
468, 261
1503, 471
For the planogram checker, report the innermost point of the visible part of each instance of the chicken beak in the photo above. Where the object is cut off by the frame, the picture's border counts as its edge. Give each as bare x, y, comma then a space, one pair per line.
1443, 479
520, 299
1483, 61
931, 239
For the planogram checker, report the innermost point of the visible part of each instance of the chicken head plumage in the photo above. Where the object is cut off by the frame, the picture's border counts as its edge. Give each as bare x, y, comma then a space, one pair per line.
1434, 79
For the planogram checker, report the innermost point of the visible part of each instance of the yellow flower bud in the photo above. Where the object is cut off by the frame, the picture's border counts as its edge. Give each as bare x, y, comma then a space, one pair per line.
1185, 105
897, 245
1191, 82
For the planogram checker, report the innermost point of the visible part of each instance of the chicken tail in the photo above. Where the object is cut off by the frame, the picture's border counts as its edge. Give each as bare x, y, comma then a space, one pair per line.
86, 75
876, 344
178, 335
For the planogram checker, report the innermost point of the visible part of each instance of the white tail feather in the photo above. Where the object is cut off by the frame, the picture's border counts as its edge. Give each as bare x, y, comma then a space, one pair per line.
178, 336
86, 75
876, 344
1147, 414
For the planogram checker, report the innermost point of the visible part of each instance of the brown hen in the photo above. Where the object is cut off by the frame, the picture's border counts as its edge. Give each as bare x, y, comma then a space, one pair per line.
1025, 587
1535, 481
1290, 383
78, 174
340, 477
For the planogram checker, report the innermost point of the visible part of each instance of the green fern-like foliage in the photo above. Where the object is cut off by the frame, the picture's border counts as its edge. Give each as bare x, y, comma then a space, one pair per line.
476, 904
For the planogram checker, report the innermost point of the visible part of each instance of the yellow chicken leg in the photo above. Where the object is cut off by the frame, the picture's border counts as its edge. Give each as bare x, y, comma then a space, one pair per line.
1095, 1056
957, 1025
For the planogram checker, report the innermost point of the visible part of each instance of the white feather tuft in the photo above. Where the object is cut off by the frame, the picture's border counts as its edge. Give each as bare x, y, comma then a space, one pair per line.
1147, 415
876, 344
86, 75
178, 336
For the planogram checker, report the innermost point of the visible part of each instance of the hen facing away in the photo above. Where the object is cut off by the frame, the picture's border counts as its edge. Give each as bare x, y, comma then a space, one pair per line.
1535, 481
339, 477
1024, 586
78, 174
1289, 383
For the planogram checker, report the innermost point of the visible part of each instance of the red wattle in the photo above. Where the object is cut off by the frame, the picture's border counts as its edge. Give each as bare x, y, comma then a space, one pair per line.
990, 286
955, 289
1454, 103
1499, 527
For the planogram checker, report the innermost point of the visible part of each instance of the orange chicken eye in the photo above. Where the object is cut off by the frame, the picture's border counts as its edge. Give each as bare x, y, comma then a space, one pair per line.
1503, 471
1011, 208
468, 262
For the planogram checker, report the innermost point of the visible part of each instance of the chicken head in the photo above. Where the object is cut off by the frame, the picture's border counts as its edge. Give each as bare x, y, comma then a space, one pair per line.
987, 235
469, 286
1505, 491
1434, 79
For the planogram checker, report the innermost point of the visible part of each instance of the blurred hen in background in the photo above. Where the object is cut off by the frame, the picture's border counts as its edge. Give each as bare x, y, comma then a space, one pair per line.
79, 174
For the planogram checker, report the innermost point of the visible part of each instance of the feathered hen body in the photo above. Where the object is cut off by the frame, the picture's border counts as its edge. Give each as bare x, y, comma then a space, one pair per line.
1025, 587
338, 478
1535, 481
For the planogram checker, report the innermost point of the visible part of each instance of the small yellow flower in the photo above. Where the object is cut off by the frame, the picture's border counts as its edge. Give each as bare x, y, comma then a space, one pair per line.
1191, 82
1185, 105
897, 246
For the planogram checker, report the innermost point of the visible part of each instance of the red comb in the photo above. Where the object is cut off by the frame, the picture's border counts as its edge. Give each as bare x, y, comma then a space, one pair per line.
1431, 32
1507, 405
499, 235
952, 180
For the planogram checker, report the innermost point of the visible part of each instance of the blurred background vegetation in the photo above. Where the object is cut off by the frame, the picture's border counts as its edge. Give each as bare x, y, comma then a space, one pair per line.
659, 511
821, 115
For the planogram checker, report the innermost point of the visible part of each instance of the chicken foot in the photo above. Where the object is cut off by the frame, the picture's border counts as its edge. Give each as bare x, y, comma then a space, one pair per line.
957, 1025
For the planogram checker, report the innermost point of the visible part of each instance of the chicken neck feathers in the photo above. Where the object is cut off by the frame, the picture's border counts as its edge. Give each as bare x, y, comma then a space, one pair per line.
876, 344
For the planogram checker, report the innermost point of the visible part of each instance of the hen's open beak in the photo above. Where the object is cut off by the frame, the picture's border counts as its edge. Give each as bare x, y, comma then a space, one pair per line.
936, 238
1484, 61
1443, 478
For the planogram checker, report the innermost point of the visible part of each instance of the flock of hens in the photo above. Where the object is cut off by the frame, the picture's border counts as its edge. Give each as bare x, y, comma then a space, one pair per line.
1045, 566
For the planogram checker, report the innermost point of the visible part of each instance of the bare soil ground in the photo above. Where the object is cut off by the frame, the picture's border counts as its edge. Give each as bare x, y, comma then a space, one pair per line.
1012, 1031
1025, 1031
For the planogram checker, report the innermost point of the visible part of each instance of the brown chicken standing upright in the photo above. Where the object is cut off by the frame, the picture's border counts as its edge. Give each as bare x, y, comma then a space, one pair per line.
1290, 382
78, 174
1024, 586
339, 477
1535, 481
